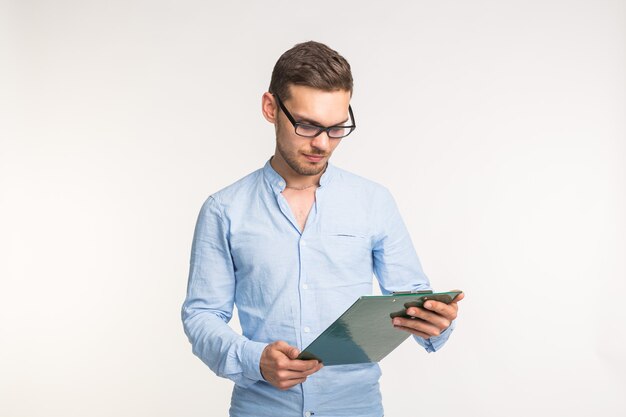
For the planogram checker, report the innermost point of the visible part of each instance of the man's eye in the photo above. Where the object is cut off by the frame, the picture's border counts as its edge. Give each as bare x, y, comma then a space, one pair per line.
307, 129
338, 131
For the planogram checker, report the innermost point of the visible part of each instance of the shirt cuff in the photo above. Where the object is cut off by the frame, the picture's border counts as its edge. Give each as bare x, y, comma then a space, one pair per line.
433, 344
251, 360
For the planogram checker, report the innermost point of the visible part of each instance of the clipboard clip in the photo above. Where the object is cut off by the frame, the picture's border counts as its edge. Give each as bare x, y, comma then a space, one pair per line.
412, 292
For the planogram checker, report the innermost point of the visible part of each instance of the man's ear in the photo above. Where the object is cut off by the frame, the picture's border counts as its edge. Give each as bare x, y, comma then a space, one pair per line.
269, 107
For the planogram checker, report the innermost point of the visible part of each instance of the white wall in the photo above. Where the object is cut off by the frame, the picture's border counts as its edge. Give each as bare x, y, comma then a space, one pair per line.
498, 125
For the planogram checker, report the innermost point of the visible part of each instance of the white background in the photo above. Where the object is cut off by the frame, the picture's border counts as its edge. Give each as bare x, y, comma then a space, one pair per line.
499, 126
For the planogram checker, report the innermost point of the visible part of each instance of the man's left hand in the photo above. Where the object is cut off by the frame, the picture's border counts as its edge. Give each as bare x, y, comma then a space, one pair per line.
431, 320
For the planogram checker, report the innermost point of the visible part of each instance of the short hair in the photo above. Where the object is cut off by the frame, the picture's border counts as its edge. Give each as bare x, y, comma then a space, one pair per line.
311, 64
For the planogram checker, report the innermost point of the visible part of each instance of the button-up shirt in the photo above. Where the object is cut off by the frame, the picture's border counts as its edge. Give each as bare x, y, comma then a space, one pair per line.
290, 284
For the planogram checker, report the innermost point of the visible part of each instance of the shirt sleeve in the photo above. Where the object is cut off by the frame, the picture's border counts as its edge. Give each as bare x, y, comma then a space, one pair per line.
396, 264
208, 306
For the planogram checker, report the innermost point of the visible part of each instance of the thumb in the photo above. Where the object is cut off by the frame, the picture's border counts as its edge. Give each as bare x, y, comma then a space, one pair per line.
293, 352
459, 297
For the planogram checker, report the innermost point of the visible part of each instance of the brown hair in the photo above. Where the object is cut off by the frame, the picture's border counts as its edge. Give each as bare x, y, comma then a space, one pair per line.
312, 64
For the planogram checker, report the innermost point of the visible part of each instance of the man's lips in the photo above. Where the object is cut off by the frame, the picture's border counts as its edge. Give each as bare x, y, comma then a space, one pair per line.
314, 158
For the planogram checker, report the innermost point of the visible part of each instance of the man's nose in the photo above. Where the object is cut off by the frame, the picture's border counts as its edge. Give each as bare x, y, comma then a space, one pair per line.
321, 142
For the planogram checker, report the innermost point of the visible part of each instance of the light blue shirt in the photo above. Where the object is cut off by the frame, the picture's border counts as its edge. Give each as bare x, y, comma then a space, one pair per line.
290, 285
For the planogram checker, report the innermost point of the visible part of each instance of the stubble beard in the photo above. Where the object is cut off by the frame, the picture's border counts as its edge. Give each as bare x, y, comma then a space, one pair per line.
297, 166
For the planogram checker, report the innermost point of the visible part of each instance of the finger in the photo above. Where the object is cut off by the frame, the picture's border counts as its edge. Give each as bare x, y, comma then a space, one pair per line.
295, 365
458, 297
286, 374
285, 378
446, 310
413, 332
293, 352
280, 344
298, 365
286, 348
312, 370
290, 362
418, 325
439, 321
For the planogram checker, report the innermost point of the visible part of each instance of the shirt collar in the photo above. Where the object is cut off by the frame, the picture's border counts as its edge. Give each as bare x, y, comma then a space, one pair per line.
277, 183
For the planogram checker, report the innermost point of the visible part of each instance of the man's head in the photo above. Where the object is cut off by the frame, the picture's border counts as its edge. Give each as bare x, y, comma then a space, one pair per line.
311, 64
314, 84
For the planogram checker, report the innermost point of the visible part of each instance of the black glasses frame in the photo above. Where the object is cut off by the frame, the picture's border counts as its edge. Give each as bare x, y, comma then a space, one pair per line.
319, 129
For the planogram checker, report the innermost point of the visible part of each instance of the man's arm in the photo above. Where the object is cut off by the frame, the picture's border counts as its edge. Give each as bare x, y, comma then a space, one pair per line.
398, 268
209, 306
209, 303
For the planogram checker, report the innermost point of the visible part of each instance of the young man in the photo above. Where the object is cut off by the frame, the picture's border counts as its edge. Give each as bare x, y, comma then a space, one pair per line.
293, 245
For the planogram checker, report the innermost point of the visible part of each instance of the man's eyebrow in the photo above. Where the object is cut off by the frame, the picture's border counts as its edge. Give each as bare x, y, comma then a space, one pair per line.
301, 119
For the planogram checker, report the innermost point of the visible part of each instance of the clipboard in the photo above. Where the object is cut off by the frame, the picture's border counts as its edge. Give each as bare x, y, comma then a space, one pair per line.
364, 333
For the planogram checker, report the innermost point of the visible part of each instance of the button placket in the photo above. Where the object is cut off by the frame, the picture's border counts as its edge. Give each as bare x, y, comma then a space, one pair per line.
305, 296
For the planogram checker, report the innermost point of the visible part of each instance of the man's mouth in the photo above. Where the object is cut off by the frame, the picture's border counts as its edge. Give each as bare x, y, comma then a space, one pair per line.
314, 158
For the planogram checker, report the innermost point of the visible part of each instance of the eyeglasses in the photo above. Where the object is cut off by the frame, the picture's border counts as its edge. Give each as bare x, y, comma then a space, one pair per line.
310, 131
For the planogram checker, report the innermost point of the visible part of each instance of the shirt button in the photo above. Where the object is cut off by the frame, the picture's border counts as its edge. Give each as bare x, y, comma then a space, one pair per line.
281, 184
307, 329
305, 287
302, 242
307, 414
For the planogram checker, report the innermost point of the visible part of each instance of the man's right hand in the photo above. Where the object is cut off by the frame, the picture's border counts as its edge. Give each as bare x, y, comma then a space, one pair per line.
280, 367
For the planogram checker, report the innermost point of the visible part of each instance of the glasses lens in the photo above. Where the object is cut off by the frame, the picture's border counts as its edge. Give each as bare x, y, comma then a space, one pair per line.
310, 131
339, 132
307, 130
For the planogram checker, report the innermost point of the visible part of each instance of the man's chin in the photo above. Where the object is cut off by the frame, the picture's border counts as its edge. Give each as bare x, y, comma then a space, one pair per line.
311, 168
310, 173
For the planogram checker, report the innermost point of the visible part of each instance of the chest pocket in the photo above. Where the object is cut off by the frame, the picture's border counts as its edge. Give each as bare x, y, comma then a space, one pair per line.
348, 252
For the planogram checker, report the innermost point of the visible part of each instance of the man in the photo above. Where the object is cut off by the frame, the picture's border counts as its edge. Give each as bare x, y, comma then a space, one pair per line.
293, 245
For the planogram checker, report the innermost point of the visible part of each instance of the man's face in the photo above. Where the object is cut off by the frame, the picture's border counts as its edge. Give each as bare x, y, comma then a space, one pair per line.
308, 156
